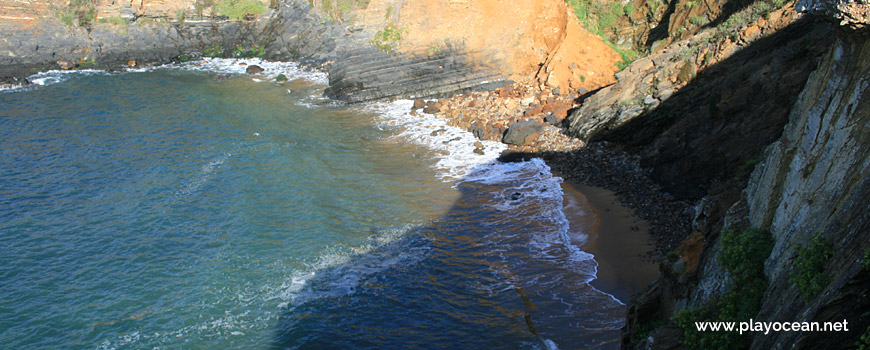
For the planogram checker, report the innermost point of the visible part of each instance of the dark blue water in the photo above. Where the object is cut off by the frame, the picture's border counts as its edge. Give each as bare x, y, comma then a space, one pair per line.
188, 209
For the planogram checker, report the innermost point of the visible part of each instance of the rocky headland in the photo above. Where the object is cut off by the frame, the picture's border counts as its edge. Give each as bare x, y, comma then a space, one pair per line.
736, 128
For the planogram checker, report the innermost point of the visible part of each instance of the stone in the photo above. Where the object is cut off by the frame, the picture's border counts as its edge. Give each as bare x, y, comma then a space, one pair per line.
522, 133
281, 78
649, 100
479, 151
254, 69
533, 110
418, 103
553, 120
432, 107
851, 14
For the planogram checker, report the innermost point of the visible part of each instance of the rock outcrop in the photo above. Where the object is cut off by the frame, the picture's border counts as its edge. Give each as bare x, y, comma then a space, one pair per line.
814, 180
810, 138
369, 74
287, 31
853, 14
700, 110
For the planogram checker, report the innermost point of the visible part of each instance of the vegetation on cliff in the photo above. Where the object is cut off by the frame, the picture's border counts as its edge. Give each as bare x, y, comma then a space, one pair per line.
601, 20
809, 266
77, 13
238, 9
743, 255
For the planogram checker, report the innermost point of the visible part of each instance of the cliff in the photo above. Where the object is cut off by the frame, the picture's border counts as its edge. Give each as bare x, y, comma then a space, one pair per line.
755, 113
771, 135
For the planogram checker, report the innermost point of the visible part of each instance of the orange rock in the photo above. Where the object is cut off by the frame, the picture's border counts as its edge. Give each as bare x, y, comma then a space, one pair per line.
750, 32
533, 110
131, 63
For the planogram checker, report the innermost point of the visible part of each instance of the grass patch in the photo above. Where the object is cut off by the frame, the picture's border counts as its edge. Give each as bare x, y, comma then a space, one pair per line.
601, 20
77, 13
809, 266
238, 9
629, 9
743, 255
747, 15
698, 21
215, 51
387, 39
118, 21
338, 9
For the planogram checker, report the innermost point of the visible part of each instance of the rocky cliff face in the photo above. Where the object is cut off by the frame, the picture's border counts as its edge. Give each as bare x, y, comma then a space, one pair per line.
415, 56
115, 34
814, 181
685, 108
807, 139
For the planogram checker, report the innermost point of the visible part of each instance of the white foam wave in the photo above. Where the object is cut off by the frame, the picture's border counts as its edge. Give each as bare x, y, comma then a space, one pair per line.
525, 184
339, 277
204, 175
271, 69
49, 78
454, 146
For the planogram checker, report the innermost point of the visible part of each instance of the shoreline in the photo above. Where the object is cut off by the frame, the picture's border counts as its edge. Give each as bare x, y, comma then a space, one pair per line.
619, 240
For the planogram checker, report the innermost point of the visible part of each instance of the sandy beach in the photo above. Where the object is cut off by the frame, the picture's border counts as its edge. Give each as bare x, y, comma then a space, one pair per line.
619, 240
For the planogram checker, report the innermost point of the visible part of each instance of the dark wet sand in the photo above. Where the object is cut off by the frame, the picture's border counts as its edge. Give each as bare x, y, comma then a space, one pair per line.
619, 240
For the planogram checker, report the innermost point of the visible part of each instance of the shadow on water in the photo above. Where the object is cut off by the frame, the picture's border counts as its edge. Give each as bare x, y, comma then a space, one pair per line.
493, 272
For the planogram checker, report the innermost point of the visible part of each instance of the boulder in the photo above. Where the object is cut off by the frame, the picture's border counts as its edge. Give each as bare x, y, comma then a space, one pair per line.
432, 107
254, 69
554, 120
522, 133
418, 103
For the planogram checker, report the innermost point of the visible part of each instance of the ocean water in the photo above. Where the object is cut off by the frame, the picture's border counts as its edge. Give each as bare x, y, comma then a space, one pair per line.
195, 207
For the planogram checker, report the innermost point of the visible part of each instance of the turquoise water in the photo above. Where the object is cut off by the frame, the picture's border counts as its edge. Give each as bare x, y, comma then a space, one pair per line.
191, 209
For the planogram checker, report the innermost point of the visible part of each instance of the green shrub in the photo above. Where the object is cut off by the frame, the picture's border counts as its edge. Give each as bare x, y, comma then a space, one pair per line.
215, 51
77, 12
863, 342
642, 330
200, 6
809, 265
256, 51
118, 21
338, 9
386, 39
629, 9
180, 16
698, 21
743, 255
237, 9
866, 262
